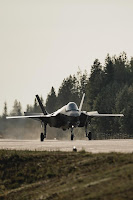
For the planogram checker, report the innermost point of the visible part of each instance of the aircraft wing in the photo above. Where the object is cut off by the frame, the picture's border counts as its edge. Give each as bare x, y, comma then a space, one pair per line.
36, 117
23, 117
107, 115
96, 114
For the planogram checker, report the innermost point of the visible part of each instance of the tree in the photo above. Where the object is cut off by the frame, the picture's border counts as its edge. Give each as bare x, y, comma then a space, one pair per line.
68, 91
131, 71
51, 101
5, 110
109, 70
124, 104
105, 103
82, 81
35, 107
95, 84
120, 68
17, 108
29, 108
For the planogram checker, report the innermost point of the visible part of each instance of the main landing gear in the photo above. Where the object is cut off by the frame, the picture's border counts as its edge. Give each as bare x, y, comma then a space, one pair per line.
43, 135
88, 134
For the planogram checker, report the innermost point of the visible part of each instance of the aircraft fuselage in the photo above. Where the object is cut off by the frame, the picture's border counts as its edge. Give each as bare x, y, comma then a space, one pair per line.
68, 117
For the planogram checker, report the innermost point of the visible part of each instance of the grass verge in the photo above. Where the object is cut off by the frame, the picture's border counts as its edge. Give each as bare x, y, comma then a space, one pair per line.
65, 175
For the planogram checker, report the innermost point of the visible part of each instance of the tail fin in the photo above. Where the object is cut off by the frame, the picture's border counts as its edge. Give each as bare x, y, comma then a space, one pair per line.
41, 105
81, 104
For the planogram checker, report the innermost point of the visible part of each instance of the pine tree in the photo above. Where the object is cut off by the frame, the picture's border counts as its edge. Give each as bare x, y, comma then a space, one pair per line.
109, 70
5, 110
68, 91
29, 108
95, 84
124, 104
17, 108
51, 101
35, 107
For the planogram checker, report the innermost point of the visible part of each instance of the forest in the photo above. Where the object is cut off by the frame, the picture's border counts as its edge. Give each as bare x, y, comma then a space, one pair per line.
108, 89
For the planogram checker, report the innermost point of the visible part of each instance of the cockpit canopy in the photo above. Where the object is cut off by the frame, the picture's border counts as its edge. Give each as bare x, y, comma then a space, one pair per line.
71, 106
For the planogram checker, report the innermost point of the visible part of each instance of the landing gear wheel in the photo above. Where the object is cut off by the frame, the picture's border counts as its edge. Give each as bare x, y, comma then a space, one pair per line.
72, 136
42, 137
89, 135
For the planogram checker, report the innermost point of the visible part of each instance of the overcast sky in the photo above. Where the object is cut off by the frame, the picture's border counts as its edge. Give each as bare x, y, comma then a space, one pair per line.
44, 41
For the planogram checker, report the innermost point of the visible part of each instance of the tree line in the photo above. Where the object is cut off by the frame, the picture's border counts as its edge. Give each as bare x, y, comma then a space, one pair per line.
108, 89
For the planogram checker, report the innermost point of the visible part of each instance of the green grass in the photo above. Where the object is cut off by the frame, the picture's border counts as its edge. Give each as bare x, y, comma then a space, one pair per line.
65, 175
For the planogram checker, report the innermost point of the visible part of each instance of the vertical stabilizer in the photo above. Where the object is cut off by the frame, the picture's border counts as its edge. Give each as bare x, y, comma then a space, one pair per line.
41, 105
81, 104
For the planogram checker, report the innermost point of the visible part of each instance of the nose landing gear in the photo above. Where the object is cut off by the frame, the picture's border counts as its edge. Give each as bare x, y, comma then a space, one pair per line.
72, 134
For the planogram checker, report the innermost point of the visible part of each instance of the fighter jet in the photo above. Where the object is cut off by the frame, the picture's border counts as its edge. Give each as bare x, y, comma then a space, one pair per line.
67, 117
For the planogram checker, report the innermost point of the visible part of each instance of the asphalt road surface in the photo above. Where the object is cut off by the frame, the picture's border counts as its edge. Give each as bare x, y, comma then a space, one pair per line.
94, 146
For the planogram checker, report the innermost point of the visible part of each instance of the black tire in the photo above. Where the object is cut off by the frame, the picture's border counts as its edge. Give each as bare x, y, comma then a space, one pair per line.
72, 136
42, 137
89, 136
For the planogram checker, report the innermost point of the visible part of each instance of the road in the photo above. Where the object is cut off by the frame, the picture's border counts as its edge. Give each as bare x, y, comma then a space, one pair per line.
94, 146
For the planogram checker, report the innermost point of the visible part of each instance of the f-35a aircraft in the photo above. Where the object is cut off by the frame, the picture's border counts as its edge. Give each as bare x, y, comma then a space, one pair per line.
69, 116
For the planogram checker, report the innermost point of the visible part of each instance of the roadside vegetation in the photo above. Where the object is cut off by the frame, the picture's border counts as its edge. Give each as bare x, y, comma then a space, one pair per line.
26, 175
